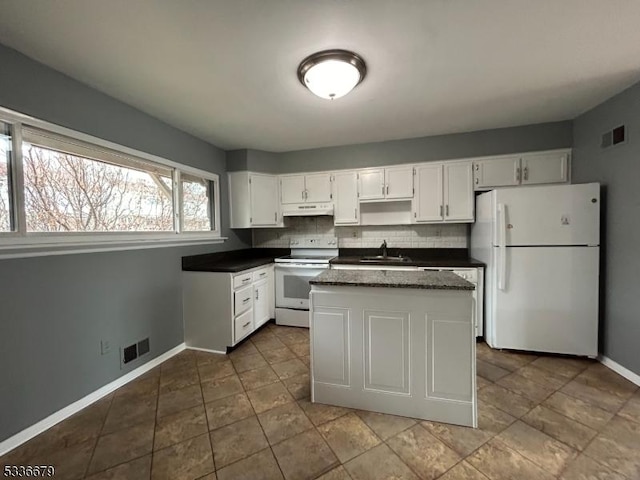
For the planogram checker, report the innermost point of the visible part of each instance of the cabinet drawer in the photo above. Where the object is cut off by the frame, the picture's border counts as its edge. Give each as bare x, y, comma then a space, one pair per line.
260, 274
243, 300
242, 280
243, 325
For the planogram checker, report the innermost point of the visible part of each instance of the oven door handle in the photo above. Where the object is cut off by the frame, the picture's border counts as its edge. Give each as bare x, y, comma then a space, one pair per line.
281, 266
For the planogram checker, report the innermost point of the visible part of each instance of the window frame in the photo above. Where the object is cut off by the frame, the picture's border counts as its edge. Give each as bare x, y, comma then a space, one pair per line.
20, 243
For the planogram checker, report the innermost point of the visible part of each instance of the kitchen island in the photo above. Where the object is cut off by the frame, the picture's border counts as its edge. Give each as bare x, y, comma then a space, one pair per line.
397, 342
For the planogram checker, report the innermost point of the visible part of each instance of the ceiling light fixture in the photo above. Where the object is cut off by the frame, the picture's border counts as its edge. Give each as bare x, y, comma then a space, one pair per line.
332, 74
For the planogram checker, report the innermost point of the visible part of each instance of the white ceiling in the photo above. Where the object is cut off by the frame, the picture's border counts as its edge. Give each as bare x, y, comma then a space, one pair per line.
225, 71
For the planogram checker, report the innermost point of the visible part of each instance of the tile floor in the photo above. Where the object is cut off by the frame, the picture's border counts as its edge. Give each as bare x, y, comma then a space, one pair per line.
248, 416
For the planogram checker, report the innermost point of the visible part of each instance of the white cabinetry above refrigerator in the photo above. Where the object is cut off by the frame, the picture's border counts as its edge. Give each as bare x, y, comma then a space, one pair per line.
525, 169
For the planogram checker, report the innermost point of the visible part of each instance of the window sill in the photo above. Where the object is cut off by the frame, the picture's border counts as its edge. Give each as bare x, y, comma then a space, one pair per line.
39, 247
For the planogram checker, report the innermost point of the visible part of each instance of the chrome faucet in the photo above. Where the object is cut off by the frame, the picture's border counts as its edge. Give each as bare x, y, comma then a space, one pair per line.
384, 248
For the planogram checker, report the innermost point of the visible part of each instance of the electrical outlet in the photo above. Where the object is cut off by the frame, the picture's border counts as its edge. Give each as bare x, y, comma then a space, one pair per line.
354, 234
105, 347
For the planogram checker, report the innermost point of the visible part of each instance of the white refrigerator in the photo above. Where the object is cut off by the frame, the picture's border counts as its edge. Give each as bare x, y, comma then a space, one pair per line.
541, 247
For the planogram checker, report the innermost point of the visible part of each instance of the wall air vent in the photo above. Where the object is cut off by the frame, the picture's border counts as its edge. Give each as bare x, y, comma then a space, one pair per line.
135, 350
613, 137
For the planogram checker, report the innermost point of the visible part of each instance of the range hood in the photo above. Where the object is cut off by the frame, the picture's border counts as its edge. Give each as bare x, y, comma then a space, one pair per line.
307, 209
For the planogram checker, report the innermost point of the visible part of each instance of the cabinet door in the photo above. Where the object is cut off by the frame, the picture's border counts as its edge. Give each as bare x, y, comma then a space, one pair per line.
371, 184
292, 189
458, 192
544, 168
427, 204
346, 211
263, 190
496, 172
260, 303
318, 187
398, 182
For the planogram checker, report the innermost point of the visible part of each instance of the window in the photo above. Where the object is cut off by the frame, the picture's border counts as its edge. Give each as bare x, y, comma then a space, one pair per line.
5, 179
196, 203
75, 189
70, 187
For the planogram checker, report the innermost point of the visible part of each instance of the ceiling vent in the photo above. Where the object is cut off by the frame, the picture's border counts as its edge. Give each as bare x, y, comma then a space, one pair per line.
614, 137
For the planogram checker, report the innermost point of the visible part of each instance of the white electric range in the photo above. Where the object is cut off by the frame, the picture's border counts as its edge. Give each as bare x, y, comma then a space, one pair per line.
309, 257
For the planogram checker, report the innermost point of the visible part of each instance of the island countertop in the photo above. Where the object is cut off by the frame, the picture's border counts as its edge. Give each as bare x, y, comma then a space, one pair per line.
429, 280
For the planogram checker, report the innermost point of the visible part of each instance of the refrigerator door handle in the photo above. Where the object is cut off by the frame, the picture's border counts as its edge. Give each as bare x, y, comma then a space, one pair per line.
502, 247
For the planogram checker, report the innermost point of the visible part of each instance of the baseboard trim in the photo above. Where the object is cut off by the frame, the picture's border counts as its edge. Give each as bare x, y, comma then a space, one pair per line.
619, 369
64, 413
208, 350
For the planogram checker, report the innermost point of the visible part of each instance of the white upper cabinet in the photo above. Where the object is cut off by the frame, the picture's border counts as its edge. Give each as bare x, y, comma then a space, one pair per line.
371, 184
292, 189
318, 187
253, 199
459, 198
427, 204
399, 182
444, 193
391, 183
525, 169
315, 188
263, 190
497, 172
544, 168
346, 205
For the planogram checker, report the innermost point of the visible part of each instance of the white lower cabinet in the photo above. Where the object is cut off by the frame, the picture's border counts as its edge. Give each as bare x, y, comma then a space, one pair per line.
407, 352
261, 303
220, 309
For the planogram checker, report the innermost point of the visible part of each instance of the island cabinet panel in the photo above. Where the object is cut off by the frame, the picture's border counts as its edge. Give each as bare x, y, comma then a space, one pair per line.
401, 351
386, 351
332, 341
449, 352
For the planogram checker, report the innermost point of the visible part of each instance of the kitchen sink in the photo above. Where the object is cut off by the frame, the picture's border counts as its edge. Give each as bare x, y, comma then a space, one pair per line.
382, 258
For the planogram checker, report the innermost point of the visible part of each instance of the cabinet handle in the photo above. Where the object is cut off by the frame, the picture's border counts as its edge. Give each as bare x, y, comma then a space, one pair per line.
302, 194
477, 181
275, 216
387, 189
518, 174
246, 280
441, 210
257, 294
526, 173
383, 189
447, 211
355, 213
246, 324
248, 299
263, 274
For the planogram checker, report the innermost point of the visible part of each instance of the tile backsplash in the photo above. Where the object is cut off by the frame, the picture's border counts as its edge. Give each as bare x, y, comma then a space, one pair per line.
397, 236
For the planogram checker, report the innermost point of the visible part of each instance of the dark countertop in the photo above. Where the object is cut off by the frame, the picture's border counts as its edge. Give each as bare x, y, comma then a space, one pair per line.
239, 260
392, 279
233, 261
420, 257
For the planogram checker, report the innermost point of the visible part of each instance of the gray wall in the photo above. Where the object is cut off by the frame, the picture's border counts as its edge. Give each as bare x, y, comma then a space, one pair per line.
618, 170
254, 161
55, 310
545, 136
